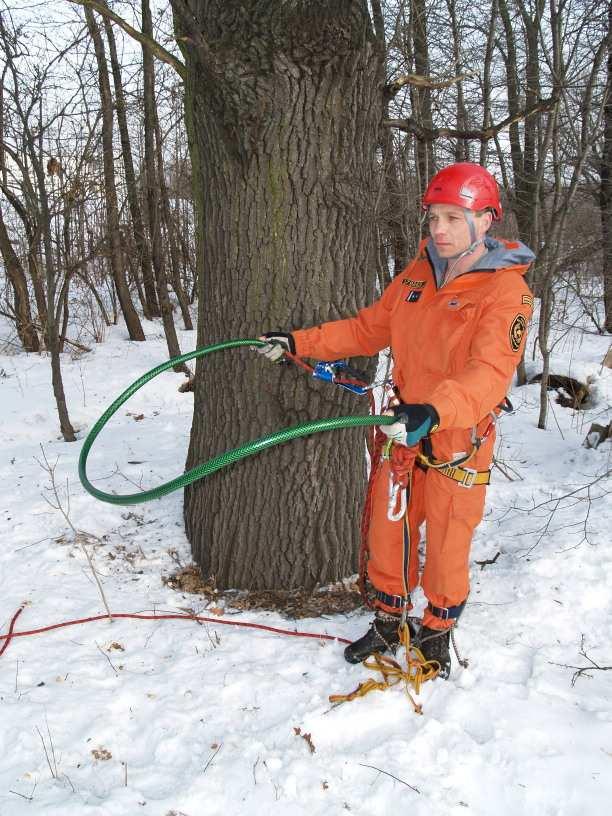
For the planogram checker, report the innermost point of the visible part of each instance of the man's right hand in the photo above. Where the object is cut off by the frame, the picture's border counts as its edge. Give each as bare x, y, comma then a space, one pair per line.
277, 343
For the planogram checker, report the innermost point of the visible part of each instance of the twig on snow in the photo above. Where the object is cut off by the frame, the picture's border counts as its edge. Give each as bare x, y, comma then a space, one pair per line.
212, 757
483, 564
102, 652
29, 798
397, 779
581, 671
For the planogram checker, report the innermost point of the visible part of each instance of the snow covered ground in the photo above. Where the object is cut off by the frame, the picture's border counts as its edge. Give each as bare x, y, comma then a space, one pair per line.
172, 717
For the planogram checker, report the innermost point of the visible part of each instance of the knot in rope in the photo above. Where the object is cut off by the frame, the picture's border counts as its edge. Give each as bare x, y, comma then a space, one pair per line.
416, 672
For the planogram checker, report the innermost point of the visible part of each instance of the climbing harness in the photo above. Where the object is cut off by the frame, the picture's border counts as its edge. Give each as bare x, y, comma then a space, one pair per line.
402, 461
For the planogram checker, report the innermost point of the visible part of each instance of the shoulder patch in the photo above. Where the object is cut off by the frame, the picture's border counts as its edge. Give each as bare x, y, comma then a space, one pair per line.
517, 330
527, 300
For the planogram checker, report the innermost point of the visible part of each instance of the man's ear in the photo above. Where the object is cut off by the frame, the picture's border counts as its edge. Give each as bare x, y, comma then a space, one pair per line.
487, 220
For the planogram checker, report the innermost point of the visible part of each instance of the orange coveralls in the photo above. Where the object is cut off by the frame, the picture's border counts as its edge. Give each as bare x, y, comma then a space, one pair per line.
456, 348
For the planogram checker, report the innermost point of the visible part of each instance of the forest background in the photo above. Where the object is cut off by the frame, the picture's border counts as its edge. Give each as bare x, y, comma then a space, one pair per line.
264, 170
267, 161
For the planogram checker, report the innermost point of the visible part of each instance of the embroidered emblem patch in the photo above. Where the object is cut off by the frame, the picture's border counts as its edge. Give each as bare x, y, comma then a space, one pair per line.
527, 300
413, 297
517, 330
414, 284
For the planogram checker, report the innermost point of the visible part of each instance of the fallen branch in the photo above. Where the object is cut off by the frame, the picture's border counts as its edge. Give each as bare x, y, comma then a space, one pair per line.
483, 564
581, 671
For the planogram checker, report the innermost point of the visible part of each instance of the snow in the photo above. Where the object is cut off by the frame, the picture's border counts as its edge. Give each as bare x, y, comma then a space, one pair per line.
171, 717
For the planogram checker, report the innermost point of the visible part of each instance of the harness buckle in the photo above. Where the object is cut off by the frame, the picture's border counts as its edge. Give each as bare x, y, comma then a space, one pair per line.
469, 477
394, 514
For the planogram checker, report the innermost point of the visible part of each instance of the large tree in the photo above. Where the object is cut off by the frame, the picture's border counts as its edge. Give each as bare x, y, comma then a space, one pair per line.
283, 105
605, 198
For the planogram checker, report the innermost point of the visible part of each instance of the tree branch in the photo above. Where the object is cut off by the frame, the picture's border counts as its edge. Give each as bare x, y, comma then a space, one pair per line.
147, 42
410, 125
581, 671
420, 81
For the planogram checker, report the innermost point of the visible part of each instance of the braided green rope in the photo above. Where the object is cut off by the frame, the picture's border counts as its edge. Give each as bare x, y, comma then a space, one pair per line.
223, 459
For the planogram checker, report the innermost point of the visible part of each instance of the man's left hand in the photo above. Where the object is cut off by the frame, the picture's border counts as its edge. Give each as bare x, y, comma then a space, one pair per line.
413, 423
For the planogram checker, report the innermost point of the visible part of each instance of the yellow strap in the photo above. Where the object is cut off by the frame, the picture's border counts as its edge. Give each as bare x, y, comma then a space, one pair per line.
418, 670
457, 473
430, 463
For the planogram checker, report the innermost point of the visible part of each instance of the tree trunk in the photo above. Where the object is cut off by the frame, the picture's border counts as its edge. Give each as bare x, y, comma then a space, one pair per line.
152, 183
173, 252
486, 79
23, 314
605, 192
283, 106
150, 304
462, 150
392, 213
132, 321
421, 97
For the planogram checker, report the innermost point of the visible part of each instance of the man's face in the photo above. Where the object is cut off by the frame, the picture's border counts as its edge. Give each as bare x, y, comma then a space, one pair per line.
450, 230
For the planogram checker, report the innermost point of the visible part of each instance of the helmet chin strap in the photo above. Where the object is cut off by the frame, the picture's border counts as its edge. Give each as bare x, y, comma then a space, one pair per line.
475, 242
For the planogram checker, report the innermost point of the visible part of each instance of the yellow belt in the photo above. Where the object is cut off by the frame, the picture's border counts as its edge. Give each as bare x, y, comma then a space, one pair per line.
466, 477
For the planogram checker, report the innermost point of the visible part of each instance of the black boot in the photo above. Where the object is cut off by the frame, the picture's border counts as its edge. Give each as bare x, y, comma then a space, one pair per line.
382, 635
434, 644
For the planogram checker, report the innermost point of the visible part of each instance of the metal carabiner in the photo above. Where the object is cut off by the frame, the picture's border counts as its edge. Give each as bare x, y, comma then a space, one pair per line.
394, 514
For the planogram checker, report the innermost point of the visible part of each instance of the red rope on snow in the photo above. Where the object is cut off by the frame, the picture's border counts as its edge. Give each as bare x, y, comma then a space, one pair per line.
7, 638
138, 616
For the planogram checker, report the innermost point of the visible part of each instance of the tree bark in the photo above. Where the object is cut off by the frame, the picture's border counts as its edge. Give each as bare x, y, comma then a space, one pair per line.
283, 106
605, 190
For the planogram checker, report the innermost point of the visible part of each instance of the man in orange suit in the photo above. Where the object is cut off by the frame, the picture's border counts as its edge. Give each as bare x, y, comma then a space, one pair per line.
456, 321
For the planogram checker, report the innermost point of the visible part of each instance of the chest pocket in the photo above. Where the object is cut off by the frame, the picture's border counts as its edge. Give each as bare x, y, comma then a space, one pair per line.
449, 326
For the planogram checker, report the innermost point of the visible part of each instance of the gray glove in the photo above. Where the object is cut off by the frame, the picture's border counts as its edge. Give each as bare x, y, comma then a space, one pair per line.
413, 423
276, 346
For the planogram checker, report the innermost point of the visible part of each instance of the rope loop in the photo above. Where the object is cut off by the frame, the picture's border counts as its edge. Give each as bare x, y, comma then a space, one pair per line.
418, 670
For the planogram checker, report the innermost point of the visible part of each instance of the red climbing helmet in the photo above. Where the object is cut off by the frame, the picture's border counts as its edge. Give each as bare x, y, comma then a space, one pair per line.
466, 185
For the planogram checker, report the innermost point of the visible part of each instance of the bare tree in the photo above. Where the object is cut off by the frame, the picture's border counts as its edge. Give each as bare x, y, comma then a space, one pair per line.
33, 126
153, 175
132, 320
149, 301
